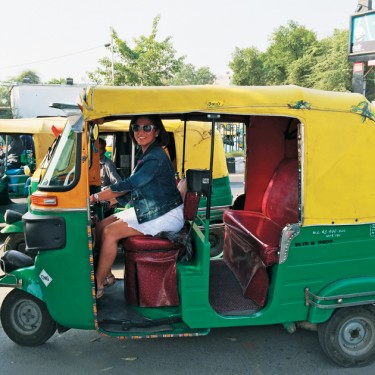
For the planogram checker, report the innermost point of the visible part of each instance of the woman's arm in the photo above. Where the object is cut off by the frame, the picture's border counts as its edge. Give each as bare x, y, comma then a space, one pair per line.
105, 195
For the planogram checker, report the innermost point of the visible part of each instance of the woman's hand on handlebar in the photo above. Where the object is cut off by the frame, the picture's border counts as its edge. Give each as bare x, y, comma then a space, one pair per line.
105, 195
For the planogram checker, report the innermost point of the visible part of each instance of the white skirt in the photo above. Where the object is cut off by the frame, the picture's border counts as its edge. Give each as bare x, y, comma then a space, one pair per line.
172, 221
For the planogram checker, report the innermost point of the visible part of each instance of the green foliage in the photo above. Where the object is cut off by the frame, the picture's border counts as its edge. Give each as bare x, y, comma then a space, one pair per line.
370, 85
5, 111
288, 44
57, 81
248, 67
4, 96
332, 70
299, 71
295, 56
189, 75
27, 75
149, 63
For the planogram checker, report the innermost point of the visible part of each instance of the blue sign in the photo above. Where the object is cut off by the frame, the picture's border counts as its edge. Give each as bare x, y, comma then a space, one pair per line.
362, 34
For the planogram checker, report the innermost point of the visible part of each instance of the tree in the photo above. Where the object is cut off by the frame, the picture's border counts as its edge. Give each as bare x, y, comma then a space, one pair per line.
370, 84
281, 63
332, 70
247, 66
57, 81
288, 44
149, 63
299, 71
189, 75
28, 76
5, 110
295, 56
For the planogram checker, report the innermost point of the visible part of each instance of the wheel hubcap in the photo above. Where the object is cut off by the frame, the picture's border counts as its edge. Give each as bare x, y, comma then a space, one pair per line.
357, 335
27, 317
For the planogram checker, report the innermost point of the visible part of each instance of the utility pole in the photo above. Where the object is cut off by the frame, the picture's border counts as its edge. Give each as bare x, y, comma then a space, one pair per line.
360, 67
364, 6
112, 60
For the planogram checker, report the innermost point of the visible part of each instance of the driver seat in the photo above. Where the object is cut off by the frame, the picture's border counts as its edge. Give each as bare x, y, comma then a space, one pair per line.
150, 261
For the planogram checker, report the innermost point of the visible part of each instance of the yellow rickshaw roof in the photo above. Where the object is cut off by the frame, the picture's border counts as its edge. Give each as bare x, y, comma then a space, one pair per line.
37, 125
106, 101
337, 144
40, 128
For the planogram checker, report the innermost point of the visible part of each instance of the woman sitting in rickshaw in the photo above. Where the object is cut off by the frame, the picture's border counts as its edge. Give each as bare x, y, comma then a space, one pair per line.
157, 203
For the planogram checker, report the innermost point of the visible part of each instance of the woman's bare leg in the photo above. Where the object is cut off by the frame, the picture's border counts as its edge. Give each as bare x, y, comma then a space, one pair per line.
110, 236
99, 229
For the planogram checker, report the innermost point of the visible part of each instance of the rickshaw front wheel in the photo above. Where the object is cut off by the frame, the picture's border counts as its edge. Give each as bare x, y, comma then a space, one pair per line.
348, 337
25, 319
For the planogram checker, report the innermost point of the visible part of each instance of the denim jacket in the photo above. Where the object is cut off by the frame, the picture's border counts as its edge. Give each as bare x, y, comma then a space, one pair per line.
152, 185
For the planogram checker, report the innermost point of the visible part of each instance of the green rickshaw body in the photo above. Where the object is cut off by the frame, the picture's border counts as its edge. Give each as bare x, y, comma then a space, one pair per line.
299, 244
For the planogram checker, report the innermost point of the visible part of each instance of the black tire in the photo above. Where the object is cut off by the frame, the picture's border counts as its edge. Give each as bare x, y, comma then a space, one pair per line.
348, 337
25, 319
216, 238
15, 241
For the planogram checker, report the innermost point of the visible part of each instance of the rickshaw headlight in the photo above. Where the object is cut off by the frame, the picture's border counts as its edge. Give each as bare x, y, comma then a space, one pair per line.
44, 200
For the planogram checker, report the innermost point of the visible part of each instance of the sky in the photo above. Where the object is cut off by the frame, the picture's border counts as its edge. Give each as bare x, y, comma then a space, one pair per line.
60, 39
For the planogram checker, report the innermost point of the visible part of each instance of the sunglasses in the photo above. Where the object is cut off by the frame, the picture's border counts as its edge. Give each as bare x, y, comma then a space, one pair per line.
146, 128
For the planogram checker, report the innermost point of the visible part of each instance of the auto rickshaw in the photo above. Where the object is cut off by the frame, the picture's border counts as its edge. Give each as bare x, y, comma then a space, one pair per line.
298, 249
14, 183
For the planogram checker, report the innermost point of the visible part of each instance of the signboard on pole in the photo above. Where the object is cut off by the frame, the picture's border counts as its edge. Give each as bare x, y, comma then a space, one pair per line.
362, 37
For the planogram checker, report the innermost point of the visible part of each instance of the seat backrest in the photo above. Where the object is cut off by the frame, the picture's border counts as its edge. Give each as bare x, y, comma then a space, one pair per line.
280, 200
191, 200
191, 204
197, 184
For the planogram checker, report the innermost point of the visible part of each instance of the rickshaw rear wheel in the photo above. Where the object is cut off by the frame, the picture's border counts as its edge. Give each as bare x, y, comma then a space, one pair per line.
15, 241
348, 337
216, 238
25, 319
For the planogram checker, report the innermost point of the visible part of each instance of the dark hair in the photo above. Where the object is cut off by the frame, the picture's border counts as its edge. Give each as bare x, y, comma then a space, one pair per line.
162, 138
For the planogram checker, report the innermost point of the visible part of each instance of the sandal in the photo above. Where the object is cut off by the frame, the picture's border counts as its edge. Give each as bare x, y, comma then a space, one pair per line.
99, 293
109, 281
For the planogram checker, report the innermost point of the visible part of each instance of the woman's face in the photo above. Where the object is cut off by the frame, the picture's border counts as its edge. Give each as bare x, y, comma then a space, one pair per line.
145, 138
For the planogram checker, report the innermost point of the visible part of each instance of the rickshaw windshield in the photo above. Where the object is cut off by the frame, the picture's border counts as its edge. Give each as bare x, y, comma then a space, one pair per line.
61, 169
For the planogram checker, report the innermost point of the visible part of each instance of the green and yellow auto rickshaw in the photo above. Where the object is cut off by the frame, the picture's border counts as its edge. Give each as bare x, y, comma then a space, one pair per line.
299, 244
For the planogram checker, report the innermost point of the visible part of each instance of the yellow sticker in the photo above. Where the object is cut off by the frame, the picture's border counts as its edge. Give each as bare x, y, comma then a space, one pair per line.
215, 104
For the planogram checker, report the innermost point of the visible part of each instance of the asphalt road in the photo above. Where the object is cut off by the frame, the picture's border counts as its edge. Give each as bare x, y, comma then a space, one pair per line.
251, 350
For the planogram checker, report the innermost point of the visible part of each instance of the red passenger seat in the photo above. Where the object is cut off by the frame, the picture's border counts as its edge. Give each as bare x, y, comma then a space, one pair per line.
252, 238
150, 261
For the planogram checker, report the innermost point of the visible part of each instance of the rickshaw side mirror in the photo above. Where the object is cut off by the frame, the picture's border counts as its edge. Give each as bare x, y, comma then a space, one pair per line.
94, 132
